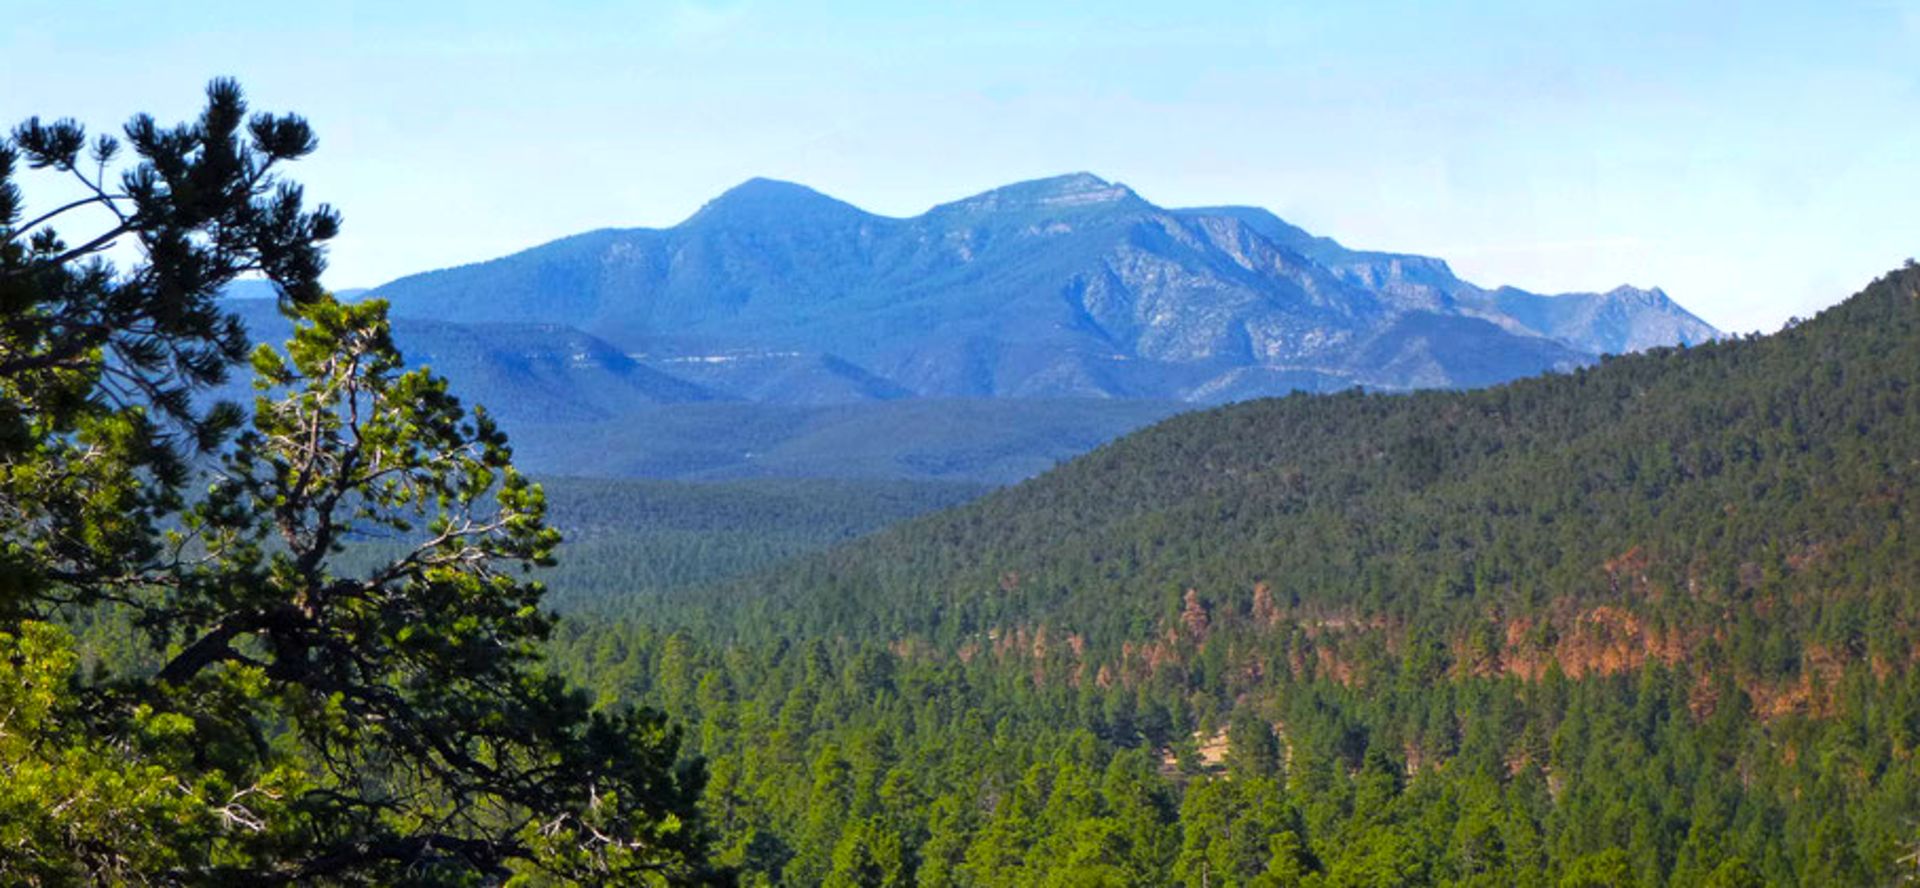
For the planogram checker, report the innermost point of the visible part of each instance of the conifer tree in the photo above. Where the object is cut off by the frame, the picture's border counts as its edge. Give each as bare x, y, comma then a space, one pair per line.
295, 721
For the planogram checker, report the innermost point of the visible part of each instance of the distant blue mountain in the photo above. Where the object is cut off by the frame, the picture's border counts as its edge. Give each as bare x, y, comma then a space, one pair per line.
1624, 319
780, 333
1069, 287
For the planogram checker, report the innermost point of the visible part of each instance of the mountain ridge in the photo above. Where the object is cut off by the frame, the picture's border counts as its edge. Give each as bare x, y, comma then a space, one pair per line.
1041, 288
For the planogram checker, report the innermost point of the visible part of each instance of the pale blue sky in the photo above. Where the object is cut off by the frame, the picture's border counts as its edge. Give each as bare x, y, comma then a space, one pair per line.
1757, 160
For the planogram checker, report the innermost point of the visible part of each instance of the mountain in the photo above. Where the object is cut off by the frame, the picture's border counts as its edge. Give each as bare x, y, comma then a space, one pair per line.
779, 331
1619, 321
1624, 319
1069, 287
1650, 622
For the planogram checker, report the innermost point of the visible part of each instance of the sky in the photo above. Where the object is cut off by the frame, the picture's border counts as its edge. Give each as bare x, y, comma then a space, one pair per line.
1757, 160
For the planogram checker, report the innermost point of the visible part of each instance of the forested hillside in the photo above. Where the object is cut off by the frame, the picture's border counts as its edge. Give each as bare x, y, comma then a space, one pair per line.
1647, 623
1689, 483
627, 541
630, 539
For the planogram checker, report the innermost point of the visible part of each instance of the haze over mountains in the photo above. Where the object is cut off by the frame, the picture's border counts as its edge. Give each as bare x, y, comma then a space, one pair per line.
782, 332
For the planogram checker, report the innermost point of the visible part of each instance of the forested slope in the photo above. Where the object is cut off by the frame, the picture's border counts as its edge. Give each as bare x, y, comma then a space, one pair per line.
630, 537
1650, 623
1767, 481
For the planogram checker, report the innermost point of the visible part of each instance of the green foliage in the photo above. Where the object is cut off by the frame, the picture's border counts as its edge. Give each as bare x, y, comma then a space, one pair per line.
98, 366
407, 693
83, 807
289, 720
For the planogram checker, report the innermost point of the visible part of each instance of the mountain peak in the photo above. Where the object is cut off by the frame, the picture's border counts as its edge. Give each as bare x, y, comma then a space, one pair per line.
1055, 192
760, 200
1629, 293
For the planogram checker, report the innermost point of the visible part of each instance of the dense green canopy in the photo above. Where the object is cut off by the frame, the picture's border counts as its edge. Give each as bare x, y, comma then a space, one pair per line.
1649, 623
